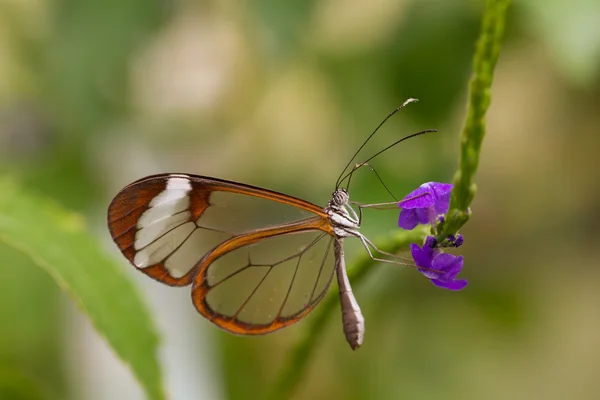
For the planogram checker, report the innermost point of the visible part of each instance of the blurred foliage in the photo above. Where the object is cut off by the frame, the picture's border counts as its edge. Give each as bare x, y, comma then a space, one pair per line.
96, 94
56, 241
31, 329
570, 31
14, 385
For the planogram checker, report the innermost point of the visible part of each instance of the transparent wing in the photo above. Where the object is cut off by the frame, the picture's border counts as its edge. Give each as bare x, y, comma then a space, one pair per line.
165, 224
266, 285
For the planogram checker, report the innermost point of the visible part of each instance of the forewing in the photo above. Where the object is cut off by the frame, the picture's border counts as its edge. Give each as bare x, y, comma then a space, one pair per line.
265, 285
164, 224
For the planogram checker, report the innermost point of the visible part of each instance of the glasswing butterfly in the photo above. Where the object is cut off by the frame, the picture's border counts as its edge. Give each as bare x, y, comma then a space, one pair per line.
249, 275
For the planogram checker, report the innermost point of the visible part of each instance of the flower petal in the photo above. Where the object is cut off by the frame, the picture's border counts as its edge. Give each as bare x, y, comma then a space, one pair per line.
408, 219
421, 197
422, 259
450, 264
425, 215
442, 196
440, 189
429, 274
430, 243
450, 285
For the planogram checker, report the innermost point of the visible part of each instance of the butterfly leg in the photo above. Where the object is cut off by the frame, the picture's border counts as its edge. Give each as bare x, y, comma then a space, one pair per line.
355, 218
381, 251
378, 206
368, 244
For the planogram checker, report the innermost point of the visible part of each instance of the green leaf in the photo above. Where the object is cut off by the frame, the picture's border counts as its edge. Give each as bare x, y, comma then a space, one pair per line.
55, 240
15, 385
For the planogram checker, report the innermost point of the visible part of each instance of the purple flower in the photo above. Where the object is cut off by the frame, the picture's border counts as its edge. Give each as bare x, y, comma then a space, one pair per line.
441, 268
456, 241
423, 205
452, 241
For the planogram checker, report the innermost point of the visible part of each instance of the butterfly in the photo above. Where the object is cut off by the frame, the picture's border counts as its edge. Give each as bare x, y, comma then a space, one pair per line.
251, 272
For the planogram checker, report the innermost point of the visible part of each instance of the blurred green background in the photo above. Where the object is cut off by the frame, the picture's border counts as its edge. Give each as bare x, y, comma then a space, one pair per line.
95, 94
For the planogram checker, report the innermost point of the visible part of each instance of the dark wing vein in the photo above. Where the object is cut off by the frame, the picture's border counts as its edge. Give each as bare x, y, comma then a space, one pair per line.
287, 295
231, 275
166, 233
153, 222
216, 230
270, 267
253, 292
299, 254
180, 244
128, 213
168, 216
115, 238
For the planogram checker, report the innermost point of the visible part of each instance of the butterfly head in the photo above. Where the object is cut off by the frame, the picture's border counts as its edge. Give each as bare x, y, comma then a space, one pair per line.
339, 198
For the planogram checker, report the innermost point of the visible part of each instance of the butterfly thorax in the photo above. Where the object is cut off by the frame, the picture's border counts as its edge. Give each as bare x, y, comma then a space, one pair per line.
343, 222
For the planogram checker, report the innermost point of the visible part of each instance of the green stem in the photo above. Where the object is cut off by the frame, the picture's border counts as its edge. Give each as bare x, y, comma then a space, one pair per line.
486, 55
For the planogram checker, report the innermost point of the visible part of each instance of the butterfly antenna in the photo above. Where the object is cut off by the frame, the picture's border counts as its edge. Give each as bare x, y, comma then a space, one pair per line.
386, 149
357, 166
400, 141
340, 179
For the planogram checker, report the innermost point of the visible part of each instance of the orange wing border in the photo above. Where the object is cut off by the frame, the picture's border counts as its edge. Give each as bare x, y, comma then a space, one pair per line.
200, 288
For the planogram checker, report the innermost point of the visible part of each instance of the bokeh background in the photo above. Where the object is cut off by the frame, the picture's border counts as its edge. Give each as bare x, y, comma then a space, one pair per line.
96, 94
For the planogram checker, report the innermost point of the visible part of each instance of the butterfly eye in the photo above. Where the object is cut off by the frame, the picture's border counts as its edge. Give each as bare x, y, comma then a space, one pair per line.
340, 197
